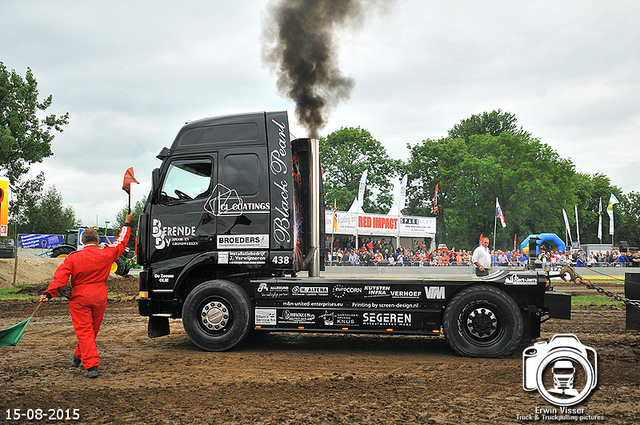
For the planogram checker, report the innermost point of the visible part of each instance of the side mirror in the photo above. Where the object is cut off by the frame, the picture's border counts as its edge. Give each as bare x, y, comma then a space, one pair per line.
155, 185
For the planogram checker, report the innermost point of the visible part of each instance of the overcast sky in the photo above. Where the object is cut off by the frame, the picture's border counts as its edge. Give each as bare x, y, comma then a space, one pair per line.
131, 73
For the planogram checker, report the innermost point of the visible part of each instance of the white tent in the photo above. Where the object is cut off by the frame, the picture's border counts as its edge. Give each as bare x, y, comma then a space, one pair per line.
355, 208
394, 211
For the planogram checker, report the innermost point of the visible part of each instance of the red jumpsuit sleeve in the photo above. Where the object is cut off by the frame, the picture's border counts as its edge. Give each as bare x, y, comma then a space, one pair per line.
120, 244
60, 277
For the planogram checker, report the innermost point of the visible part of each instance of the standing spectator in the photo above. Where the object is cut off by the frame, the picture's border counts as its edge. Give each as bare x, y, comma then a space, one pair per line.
482, 258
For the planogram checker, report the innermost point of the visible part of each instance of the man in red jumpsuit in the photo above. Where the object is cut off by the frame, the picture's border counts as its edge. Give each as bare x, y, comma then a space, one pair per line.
89, 269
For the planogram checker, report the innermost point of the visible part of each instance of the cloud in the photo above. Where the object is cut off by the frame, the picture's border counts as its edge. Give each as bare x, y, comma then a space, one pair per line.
132, 73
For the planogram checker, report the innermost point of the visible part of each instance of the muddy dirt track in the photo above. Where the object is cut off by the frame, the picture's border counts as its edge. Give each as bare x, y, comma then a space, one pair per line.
292, 378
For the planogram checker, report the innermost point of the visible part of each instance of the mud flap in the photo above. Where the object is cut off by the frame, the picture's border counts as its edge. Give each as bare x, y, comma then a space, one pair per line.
559, 305
158, 326
632, 292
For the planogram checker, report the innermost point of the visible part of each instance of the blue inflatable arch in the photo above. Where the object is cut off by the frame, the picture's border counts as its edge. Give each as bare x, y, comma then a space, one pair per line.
550, 241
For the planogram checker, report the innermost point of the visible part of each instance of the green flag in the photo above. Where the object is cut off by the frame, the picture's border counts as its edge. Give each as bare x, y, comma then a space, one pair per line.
12, 335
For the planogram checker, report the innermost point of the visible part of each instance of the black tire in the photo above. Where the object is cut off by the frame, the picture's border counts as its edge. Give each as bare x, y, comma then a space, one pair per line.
118, 267
482, 321
61, 252
216, 315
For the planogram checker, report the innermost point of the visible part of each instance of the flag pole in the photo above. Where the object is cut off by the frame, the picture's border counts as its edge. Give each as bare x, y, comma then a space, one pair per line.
495, 222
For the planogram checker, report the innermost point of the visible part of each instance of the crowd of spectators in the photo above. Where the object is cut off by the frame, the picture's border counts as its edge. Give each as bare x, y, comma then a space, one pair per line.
382, 252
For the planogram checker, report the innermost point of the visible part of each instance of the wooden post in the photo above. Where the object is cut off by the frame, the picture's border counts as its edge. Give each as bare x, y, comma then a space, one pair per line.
15, 270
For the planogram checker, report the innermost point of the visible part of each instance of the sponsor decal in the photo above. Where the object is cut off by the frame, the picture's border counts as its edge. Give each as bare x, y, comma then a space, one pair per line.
340, 291
247, 257
406, 294
310, 290
298, 318
40, 241
223, 257
322, 304
435, 292
226, 202
340, 319
372, 305
514, 279
173, 235
386, 319
163, 278
374, 222
243, 241
272, 291
265, 316
279, 165
376, 291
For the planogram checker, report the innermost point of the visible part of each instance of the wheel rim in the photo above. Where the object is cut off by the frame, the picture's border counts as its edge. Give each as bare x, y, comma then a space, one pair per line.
482, 325
114, 267
215, 316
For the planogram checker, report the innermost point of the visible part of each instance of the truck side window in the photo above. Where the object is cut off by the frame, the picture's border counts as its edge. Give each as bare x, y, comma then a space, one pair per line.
187, 180
242, 172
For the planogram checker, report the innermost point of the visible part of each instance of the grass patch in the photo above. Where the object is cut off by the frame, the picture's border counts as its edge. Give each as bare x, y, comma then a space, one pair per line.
595, 302
15, 293
31, 292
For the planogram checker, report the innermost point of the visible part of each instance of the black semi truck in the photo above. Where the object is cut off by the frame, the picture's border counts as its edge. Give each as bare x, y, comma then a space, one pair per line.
236, 213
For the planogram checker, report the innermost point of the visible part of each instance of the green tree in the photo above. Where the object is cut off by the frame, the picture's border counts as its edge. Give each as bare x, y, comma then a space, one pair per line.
629, 229
24, 138
494, 123
48, 214
136, 210
532, 182
344, 155
26, 199
590, 190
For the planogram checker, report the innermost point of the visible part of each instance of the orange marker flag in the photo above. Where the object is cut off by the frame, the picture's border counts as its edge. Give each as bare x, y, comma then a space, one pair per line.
129, 178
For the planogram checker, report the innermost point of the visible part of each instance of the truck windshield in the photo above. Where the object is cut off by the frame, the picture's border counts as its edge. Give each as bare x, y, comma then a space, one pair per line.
187, 180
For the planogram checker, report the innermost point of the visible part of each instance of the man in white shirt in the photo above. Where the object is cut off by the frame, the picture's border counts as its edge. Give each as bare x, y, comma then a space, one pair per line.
482, 258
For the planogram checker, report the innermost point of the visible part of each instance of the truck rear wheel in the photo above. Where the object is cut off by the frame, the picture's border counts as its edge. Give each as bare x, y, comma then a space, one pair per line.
482, 321
216, 315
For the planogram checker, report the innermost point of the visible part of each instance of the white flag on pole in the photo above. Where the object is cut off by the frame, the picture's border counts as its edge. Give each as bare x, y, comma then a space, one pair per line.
403, 193
600, 219
566, 223
577, 226
612, 201
499, 213
363, 183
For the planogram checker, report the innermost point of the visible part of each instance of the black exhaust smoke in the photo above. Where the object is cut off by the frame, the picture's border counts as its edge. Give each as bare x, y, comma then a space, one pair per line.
300, 47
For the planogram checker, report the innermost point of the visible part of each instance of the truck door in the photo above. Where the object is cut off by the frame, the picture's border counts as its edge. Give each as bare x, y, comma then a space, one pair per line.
180, 222
240, 201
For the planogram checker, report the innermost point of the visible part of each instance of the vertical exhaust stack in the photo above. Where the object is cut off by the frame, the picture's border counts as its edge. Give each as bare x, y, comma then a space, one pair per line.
314, 177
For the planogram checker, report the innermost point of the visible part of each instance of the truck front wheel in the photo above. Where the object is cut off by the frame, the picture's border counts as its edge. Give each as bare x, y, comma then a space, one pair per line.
482, 321
216, 315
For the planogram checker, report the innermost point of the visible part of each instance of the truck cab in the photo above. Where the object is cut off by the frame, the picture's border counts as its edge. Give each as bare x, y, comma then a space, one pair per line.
235, 214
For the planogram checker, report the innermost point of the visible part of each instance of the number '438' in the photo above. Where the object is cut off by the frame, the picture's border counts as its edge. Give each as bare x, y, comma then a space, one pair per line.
281, 259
